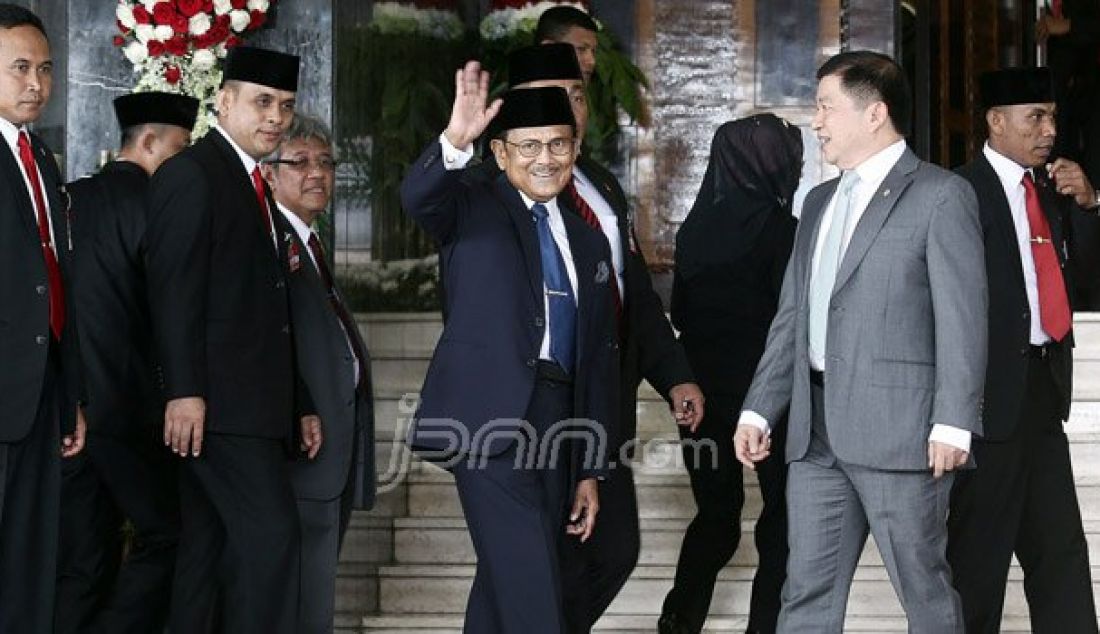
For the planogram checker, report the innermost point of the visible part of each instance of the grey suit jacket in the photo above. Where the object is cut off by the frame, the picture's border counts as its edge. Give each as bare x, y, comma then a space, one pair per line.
327, 367
906, 336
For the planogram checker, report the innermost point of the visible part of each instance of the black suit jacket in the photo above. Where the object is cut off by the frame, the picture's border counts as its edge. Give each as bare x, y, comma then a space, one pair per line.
24, 297
217, 292
1009, 312
483, 371
327, 367
120, 372
649, 347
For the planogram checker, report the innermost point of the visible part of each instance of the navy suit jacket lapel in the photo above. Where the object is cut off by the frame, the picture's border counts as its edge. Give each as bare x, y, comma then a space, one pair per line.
524, 224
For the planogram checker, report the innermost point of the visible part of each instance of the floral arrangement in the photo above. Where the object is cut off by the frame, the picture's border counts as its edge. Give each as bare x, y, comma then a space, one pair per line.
175, 45
507, 18
433, 20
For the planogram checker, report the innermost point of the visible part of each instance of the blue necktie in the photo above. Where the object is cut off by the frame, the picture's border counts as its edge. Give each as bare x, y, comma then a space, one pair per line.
559, 293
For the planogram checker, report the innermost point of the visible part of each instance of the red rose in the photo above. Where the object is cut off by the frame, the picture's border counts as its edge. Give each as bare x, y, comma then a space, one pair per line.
208, 6
239, 4
118, 40
180, 25
258, 19
176, 46
172, 74
155, 48
232, 42
201, 41
218, 33
163, 13
189, 8
141, 16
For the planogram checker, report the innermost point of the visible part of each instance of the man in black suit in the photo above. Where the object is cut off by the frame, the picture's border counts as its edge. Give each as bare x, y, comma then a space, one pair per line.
335, 365
595, 571
125, 473
1021, 497
527, 358
40, 376
216, 268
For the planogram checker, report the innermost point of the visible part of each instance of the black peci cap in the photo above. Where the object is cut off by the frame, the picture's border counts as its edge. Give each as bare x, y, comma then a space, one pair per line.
261, 66
141, 108
1012, 86
534, 108
543, 62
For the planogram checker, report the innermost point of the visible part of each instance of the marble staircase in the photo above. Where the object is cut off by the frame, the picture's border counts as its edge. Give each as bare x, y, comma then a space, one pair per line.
407, 565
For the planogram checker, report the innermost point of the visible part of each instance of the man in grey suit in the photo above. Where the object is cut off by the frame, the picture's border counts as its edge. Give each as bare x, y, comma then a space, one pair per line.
338, 475
878, 348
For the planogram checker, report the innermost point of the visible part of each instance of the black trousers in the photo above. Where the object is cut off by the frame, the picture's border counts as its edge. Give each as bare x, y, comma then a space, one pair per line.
237, 567
594, 572
1021, 500
30, 494
713, 535
114, 480
516, 519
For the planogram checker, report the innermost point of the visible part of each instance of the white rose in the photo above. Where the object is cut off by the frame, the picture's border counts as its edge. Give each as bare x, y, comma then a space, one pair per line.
149, 4
199, 24
135, 52
239, 20
258, 5
203, 59
221, 7
163, 32
145, 32
125, 15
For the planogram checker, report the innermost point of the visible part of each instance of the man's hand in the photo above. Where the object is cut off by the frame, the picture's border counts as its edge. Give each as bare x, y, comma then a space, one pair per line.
943, 458
312, 437
751, 445
1049, 26
73, 443
469, 114
586, 505
687, 405
184, 419
1070, 179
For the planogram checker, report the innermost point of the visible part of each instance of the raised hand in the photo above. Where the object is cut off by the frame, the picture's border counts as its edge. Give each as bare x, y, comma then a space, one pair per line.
470, 114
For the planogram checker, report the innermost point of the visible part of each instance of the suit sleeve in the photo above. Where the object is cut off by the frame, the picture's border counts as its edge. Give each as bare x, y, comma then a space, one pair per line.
428, 194
957, 276
177, 261
661, 359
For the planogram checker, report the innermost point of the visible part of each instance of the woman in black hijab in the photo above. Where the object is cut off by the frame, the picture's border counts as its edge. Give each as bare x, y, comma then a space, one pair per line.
731, 253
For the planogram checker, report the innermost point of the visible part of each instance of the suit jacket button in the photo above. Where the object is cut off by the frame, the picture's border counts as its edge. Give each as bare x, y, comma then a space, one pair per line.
280, 284
286, 329
40, 340
540, 322
1023, 351
1027, 315
531, 363
40, 289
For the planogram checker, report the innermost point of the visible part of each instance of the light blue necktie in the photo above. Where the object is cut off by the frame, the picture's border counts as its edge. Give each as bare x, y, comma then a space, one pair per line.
559, 293
832, 251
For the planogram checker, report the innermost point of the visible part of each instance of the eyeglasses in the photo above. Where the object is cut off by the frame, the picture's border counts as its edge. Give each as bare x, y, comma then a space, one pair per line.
325, 164
560, 146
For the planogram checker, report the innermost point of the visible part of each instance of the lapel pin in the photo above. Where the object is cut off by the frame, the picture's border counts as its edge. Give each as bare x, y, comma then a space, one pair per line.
885, 193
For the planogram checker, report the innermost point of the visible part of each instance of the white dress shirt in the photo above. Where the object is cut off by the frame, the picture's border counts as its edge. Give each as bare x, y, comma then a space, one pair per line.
871, 174
454, 159
1011, 175
11, 136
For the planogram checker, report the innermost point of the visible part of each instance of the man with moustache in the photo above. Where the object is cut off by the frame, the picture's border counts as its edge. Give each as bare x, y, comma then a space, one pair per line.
594, 571
125, 472
878, 349
335, 366
216, 268
528, 351
1021, 499
40, 383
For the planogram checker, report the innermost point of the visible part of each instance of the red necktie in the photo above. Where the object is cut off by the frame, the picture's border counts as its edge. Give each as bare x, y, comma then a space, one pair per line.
53, 271
589, 216
341, 312
261, 197
1054, 313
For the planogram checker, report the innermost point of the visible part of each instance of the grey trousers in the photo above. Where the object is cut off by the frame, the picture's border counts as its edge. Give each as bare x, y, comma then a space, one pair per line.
831, 507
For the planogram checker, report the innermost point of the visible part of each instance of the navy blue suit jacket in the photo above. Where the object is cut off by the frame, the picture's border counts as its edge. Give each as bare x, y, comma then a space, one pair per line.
483, 369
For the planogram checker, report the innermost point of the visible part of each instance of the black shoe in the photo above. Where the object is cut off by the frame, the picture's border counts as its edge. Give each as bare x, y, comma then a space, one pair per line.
670, 624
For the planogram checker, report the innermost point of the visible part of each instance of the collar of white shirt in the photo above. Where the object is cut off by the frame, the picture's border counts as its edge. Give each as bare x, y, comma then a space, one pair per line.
248, 162
874, 170
1010, 172
11, 134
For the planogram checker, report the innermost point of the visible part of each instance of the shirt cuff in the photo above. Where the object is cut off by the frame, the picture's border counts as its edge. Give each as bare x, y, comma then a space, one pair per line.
958, 438
749, 417
454, 158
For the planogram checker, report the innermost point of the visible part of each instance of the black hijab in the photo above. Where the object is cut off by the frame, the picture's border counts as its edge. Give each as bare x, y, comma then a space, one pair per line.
753, 172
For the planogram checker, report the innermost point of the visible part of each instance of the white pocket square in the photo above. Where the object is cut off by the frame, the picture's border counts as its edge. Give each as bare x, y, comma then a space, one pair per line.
602, 272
